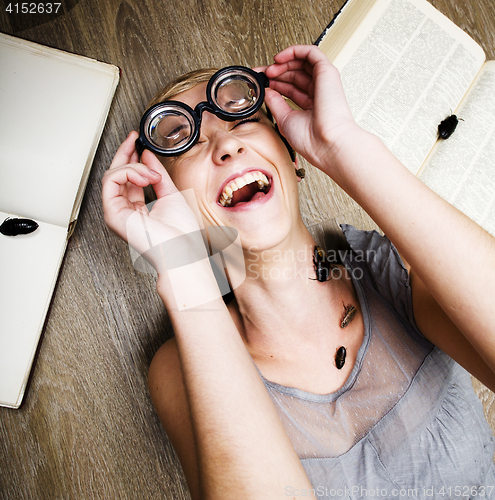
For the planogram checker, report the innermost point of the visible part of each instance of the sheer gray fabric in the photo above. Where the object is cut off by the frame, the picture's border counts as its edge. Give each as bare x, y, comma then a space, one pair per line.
407, 422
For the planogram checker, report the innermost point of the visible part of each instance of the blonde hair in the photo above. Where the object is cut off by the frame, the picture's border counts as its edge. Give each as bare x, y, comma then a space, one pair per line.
181, 84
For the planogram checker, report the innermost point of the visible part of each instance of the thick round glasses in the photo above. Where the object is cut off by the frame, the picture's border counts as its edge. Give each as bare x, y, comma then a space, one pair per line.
171, 128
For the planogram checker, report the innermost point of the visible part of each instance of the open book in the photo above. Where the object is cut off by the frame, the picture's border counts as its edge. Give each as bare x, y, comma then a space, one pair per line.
405, 67
53, 107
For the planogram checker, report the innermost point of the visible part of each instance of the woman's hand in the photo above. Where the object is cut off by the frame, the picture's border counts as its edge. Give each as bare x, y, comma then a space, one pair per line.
325, 123
431, 234
124, 206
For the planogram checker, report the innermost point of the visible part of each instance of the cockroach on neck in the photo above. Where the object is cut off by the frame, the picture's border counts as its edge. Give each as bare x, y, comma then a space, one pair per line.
321, 266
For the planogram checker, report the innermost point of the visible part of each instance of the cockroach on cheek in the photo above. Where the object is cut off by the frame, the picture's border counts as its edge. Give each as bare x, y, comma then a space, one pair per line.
348, 316
340, 357
14, 227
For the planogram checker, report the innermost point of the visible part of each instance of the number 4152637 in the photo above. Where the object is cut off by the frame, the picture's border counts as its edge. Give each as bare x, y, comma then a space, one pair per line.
33, 8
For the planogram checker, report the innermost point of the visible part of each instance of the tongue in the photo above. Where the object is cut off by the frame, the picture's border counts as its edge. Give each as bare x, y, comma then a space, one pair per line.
247, 193
258, 195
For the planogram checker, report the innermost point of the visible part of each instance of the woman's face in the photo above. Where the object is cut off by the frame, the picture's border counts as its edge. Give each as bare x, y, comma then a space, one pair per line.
242, 176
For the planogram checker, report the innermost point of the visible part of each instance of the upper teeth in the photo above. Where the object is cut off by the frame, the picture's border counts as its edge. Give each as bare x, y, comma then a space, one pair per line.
239, 182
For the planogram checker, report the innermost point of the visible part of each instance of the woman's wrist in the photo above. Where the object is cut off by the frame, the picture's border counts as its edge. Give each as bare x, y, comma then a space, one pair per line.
342, 156
188, 287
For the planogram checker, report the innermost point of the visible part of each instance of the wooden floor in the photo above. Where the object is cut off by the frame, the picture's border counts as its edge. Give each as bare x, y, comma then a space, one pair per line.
87, 429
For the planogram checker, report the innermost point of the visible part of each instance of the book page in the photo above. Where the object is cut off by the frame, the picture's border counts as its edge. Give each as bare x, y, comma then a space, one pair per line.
29, 267
461, 169
404, 70
53, 106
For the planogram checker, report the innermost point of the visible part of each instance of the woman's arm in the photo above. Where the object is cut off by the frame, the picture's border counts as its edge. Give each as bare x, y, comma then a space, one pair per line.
441, 331
242, 448
452, 256
449, 253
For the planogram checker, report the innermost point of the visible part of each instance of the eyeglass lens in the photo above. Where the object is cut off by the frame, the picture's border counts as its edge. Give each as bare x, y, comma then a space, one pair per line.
235, 95
170, 129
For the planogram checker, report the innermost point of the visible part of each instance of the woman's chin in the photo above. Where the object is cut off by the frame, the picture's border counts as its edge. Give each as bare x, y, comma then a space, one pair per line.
264, 222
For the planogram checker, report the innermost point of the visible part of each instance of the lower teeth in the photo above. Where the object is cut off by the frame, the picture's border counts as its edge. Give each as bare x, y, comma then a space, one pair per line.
256, 196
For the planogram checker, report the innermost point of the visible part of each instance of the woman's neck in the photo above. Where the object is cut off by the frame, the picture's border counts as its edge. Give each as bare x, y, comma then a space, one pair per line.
280, 302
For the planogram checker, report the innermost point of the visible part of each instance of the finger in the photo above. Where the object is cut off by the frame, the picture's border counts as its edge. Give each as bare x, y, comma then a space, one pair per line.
260, 69
276, 69
135, 193
297, 75
315, 63
278, 106
115, 182
297, 96
152, 176
127, 152
310, 53
300, 79
163, 185
294, 57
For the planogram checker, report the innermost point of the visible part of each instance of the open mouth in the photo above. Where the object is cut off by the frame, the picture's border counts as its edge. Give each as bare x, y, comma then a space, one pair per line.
244, 189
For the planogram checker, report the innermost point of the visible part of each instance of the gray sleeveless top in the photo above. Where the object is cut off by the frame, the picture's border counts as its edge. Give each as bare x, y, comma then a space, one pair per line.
407, 422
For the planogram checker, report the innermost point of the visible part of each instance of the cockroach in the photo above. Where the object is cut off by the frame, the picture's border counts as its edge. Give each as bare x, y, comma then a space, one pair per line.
322, 267
348, 316
447, 126
319, 263
13, 227
340, 357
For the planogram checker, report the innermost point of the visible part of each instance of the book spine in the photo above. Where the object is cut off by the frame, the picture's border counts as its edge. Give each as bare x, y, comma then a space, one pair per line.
332, 22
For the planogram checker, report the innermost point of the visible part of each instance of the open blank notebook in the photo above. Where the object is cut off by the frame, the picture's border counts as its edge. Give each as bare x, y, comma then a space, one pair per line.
53, 107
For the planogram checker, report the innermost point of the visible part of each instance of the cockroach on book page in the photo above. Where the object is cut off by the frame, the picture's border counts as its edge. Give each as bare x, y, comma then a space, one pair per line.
14, 227
448, 126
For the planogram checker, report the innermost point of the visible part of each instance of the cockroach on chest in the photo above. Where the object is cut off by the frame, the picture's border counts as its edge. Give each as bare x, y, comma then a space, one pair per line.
447, 127
340, 357
14, 227
348, 316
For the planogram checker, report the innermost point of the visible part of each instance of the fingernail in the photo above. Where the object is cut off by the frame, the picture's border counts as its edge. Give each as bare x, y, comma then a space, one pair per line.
154, 172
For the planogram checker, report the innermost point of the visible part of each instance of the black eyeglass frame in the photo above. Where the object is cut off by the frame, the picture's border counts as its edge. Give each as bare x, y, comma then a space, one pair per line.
194, 115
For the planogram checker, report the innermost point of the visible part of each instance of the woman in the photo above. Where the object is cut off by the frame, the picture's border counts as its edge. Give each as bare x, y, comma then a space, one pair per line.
398, 415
